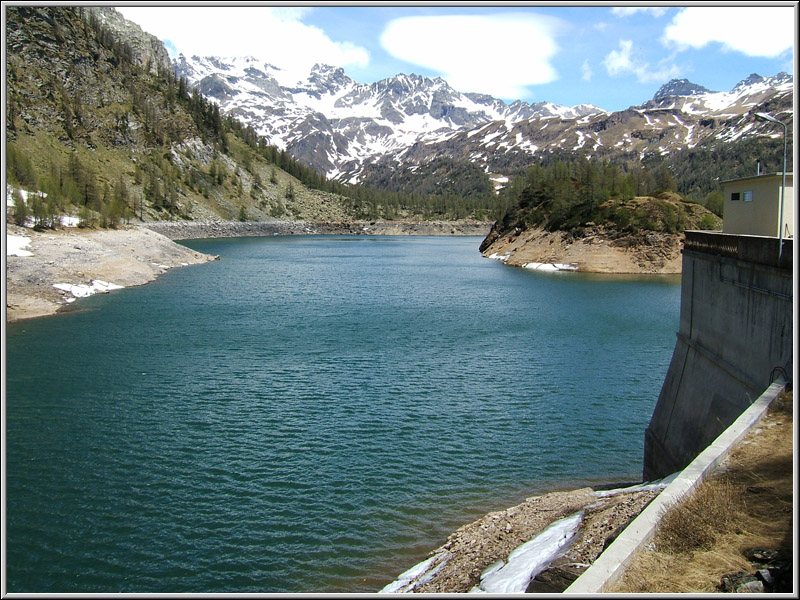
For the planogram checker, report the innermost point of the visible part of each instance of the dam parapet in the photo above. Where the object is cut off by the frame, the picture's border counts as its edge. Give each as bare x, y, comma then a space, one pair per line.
735, 338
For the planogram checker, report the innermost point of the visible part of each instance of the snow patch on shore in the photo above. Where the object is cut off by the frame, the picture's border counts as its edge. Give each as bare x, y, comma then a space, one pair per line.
659, 484
529, 559
509, 577
16, 244
82, 290
417, 575
537, 266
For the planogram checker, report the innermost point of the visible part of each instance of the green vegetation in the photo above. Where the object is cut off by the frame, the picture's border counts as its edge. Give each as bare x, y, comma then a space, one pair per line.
100, 136
570, 196
444, 187
95, 132
698, 171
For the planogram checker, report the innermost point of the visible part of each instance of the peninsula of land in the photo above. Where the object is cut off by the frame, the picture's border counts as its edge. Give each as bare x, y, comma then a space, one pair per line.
48, 270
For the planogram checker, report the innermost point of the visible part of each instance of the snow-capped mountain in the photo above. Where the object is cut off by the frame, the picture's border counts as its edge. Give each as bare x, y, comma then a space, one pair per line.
677, 118
679, 87
340, 127
335, 124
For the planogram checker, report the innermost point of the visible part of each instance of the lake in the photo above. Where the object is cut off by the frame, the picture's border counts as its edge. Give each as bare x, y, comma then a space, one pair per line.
315, 414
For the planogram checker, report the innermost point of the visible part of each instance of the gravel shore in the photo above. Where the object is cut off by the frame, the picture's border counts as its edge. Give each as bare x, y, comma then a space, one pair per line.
84, 260
457, 565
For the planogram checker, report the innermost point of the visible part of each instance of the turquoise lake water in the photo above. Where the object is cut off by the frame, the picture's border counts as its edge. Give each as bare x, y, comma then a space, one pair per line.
315, 414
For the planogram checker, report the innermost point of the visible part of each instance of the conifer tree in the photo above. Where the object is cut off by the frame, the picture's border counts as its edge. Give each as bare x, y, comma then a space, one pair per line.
21, 212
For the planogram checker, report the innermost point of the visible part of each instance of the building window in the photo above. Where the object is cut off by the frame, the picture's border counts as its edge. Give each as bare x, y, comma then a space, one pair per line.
748, 196
734, 196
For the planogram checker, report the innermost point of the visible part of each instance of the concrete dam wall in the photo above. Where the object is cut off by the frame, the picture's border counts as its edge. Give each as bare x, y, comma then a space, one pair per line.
735, 338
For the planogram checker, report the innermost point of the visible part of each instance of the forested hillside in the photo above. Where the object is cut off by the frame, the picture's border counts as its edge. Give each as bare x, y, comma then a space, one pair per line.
580, 194
99, 129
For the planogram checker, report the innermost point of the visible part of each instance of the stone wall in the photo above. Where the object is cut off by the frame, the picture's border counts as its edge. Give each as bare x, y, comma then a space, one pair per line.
184, 230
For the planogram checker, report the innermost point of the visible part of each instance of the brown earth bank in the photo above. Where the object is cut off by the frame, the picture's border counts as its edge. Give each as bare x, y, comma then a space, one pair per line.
597, 250
122, 257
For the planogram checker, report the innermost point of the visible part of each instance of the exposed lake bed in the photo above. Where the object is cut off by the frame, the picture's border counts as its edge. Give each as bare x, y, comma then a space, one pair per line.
37, 262
466, 408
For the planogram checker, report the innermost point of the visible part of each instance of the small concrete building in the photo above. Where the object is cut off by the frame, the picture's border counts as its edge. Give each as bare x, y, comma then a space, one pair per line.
753, 205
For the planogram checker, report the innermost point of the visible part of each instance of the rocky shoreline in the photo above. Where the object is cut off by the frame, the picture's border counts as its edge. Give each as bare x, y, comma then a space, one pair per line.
480, 549
82, 262
186, 230
596, 250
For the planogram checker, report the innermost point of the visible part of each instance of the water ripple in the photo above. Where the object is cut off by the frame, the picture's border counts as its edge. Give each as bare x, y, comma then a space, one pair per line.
314, 414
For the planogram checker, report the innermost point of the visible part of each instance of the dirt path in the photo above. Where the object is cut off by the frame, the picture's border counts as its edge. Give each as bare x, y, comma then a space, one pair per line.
36, 261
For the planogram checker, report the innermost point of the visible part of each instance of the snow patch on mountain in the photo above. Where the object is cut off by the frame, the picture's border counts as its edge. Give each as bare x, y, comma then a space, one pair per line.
337, 126
368, 121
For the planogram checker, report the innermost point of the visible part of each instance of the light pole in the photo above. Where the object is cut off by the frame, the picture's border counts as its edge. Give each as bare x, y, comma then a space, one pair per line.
765, 117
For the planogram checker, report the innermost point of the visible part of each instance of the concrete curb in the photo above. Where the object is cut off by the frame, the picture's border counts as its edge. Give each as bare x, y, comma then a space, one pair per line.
611, 564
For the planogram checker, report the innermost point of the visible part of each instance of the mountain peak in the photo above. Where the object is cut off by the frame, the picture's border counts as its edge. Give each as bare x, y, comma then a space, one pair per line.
679, 87
755, 79
330, 78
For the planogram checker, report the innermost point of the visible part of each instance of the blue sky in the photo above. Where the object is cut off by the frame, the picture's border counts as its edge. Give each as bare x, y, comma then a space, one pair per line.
612, 57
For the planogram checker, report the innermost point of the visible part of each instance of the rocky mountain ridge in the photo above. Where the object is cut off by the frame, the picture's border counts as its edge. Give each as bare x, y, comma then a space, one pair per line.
99, 128
147, 50
340, 127
668, 123
336, 125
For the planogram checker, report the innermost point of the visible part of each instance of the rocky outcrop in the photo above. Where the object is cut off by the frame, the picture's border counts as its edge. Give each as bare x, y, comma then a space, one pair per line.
148, 51
649, 243
772, 573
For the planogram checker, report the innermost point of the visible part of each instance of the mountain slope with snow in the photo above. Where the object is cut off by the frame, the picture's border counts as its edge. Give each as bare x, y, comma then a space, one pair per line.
336, 125
666, 124
340, 127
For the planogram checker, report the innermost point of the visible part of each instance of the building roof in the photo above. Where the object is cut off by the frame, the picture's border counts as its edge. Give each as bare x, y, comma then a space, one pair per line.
762, 176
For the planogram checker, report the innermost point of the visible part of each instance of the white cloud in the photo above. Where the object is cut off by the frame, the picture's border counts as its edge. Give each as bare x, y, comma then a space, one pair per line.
494, 54
626, 11
586, 71
765, 31
618, 62
624, 61
273, 34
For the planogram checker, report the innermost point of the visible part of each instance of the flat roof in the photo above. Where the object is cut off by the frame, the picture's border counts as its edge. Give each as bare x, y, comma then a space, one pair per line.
762, 176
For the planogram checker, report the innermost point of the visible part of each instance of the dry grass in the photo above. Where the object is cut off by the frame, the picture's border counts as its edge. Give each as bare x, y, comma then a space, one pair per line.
748, 504
698, 522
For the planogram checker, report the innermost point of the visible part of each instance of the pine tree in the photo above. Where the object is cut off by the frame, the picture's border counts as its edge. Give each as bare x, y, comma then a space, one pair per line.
21, 212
